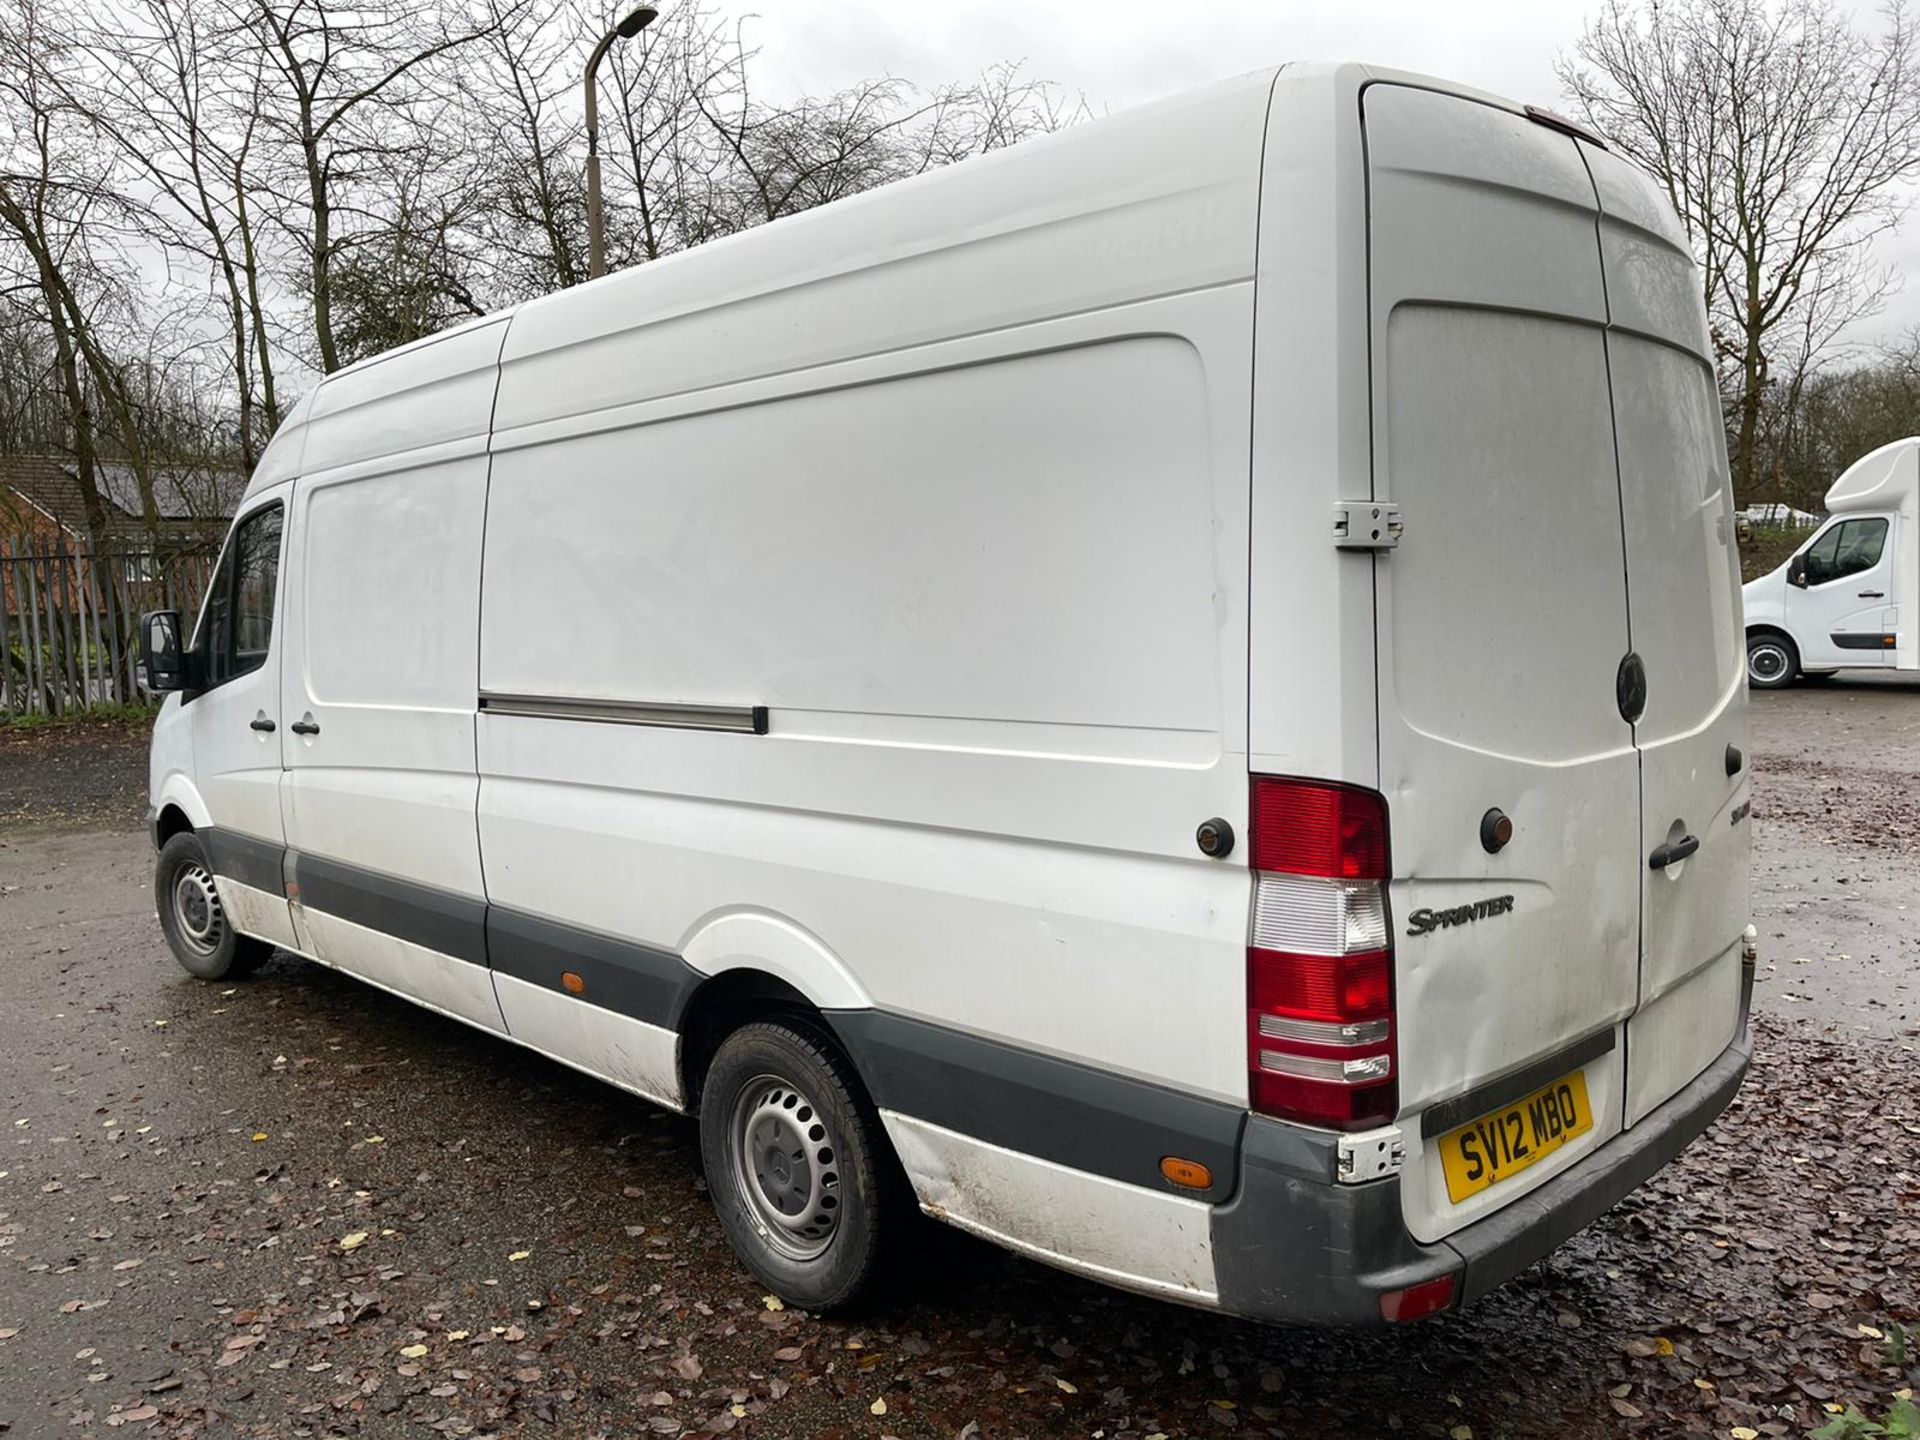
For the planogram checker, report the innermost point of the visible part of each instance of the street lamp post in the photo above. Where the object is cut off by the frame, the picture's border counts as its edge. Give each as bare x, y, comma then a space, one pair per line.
631, 26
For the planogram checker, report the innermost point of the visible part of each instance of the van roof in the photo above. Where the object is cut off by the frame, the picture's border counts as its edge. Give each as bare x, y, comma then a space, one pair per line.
1045, 180
1883, 479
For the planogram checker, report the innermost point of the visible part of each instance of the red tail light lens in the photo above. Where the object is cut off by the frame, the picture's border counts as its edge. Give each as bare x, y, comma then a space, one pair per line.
1306, 827
1320, 1022
1416, 1302
1331, 988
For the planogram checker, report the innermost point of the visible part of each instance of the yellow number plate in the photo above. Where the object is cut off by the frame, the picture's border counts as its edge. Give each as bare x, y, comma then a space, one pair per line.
1508, 1141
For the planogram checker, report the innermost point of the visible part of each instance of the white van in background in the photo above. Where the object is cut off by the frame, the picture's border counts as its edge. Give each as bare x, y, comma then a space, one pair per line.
1848, 597
1170, 696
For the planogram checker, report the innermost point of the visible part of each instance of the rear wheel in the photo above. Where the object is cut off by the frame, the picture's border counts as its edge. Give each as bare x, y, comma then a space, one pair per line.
198, 929
797, 1163
1773, 662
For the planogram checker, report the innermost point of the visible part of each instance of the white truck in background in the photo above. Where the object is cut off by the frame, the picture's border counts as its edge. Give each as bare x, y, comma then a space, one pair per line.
1849, 596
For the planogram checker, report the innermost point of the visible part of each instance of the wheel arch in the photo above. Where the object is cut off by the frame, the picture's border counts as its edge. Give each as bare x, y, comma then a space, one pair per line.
723, 1003
183, 802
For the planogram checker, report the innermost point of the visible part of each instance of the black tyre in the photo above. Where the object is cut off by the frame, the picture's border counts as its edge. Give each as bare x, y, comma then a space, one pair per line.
1773, 662
196, 924
799, 1168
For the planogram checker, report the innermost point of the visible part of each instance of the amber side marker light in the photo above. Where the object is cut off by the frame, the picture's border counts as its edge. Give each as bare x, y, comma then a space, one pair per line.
575, 985
1188, 1174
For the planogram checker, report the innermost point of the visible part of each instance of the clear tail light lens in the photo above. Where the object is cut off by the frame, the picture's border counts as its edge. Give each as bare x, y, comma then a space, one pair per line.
1320, 1021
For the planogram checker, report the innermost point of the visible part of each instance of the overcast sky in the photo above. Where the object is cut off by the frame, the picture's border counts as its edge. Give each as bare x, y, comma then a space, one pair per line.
1122, 52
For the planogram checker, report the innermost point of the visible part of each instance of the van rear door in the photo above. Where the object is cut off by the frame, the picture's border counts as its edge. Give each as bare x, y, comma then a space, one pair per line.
1503, 629
1683, 584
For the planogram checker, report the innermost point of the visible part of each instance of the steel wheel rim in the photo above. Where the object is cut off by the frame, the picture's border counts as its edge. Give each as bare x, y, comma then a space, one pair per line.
1766, 662
197, 910
785, 1162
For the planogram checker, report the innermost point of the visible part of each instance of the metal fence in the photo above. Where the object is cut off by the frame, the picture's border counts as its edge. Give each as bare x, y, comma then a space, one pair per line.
70, 619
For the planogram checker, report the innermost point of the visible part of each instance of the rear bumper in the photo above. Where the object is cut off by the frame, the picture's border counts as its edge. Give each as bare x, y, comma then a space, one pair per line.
1294, 1247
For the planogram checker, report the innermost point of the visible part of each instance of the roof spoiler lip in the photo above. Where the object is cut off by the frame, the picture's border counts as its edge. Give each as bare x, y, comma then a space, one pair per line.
1554, 120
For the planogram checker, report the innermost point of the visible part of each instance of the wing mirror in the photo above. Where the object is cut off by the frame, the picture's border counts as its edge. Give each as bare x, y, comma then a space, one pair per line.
1797, 572
161, 653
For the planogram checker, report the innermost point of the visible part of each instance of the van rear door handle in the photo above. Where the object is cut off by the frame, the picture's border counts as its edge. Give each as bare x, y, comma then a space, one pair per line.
1673, 852
304, 726
1873, 594
261, 723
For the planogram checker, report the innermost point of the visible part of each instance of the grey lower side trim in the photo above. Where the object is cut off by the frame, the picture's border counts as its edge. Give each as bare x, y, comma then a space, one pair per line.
246, 858
1862, 642
1294, 1250
639, 981
422, 915
1058, 1110
1452, 1114
745, 719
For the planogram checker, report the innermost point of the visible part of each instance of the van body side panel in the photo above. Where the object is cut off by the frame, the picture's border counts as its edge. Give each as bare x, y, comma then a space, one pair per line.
951, 481
382, 658
986, 609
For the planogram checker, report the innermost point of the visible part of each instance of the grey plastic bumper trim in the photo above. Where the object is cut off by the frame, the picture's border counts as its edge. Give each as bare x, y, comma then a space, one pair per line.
1294, 1249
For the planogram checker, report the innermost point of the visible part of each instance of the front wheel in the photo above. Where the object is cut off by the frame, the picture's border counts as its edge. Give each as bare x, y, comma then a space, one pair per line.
1773, 663
797, 1164
198, 929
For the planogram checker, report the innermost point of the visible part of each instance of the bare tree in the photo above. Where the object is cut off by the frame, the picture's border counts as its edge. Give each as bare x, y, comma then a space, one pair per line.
1780, 134
352, 85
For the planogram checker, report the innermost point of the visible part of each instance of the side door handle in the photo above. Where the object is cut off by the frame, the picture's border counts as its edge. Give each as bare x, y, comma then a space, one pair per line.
261, 723
1673, 852
1873, 594
304, 726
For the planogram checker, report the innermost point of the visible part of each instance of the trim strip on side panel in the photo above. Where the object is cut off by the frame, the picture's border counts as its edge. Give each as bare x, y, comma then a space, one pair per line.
1059, 1110
742, 719
246, 858
1862, 642
641, 982
422, 915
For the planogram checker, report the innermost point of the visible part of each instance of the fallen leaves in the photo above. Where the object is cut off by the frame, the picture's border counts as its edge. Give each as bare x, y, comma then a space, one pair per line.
517, 1256
353, 1241
413, 1352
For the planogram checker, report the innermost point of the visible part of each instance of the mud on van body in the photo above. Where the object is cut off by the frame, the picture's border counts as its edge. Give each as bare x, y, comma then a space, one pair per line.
955, 689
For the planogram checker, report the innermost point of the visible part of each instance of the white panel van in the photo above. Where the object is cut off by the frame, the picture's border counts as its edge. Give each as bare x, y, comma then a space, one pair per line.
1171, 697
1848, 597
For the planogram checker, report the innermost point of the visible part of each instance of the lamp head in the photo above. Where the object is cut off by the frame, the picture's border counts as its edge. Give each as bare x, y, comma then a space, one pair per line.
636, 22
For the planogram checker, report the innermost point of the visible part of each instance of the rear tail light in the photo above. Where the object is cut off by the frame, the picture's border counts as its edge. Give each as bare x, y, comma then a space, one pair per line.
1320, 1032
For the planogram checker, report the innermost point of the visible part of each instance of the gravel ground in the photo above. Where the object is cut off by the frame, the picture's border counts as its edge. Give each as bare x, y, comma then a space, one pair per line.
187, 1168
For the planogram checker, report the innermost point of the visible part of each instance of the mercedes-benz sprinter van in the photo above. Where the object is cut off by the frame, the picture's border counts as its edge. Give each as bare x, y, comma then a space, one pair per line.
1171, 696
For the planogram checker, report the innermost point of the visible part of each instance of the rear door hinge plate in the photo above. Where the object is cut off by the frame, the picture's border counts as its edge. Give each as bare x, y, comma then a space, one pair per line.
1366, 525
1370, 1155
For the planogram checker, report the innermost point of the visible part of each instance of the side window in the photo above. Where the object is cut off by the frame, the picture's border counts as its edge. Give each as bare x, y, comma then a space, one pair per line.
1861, 542
239, 622
1820, 557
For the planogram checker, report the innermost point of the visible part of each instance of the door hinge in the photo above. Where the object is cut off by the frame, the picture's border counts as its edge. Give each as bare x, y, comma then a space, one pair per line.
1366, 525
1370, 1155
